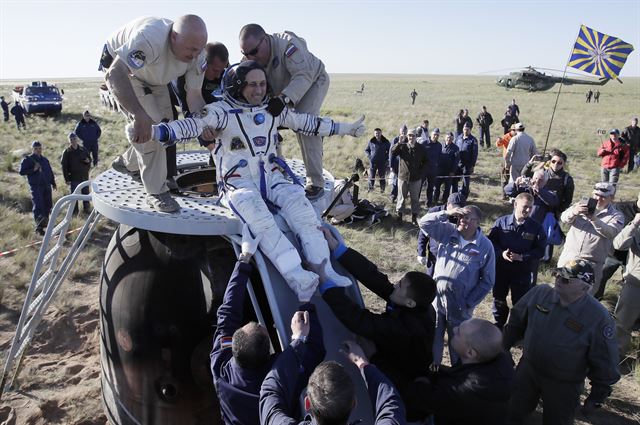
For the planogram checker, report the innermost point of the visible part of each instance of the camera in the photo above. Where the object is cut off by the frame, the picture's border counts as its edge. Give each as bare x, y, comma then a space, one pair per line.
526, 181
590, 203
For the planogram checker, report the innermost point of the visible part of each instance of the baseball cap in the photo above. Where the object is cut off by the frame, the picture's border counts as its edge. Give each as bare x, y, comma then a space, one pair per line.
518, 126
36, 144
86, 113
436, 130
604, 189
411, 131
72, 135
578, 269
457, 199
614, 131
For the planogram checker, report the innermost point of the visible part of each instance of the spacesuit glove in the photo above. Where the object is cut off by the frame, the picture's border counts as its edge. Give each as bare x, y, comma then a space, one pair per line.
355, 129
276, 106
162, 133
249, 243
422, 260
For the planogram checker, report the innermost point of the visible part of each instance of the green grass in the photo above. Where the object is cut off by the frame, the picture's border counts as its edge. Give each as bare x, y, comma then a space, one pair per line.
386, 104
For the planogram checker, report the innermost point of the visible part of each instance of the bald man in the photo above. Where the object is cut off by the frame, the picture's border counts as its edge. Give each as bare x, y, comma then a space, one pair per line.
140, 60
481, 381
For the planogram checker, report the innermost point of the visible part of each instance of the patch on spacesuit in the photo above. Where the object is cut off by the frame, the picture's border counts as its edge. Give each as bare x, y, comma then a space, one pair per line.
136, 59
542, 309
574, 325
528, 236
290, 50
259, 141
226, 342
608, 332
237, 144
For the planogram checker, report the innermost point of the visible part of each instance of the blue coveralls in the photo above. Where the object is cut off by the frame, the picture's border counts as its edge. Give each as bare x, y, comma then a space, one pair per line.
378, 154
5, 110
40, 182
434, 150
468, 157
527, 239
447, 164
89, 132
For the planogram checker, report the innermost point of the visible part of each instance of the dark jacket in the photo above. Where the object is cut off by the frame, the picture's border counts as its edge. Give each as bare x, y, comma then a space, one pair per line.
277, 393
88, 131
43, 176
508, 121
434, 150
561, 183
403, 336
5, 106
484, 119
378, 151
394, 160
17, 111
527, 239
466, 394
413, 161
75, 164
461, 121
631, 135
449, 158
468, 150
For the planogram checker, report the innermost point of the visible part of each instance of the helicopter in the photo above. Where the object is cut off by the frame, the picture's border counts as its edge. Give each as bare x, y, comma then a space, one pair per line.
533, 80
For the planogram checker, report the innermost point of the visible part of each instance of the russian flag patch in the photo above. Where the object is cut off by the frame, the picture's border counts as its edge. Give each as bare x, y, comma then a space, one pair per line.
226, 341
290, 50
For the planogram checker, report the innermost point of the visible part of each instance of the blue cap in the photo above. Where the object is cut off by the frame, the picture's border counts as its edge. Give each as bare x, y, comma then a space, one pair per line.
436, 130
36, 144
614, 131
72, 135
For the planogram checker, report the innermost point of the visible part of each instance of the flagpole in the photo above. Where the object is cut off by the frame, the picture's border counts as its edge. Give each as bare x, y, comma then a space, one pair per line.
553, 113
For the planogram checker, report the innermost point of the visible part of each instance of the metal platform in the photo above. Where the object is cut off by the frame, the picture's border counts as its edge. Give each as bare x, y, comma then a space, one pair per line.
120, 198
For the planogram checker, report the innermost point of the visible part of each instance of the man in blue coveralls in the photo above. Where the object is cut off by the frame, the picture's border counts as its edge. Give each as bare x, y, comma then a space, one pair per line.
40, 177
519, 243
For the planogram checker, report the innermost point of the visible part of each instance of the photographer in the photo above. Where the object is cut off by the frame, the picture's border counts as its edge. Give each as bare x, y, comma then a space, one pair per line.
593, 227
615, 155
544, 200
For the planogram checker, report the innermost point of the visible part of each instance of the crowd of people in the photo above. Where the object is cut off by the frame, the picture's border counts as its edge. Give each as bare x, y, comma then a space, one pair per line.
566, 334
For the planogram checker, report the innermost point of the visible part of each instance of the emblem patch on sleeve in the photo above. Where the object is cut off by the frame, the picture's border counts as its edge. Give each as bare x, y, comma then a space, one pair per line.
203, 66
608, 332
290, 50
226, 342
136, 59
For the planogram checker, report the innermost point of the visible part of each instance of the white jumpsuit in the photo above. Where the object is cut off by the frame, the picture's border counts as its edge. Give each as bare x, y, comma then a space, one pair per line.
255, 186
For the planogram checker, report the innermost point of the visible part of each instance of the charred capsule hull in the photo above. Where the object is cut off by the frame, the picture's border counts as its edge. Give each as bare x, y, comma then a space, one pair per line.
158, 299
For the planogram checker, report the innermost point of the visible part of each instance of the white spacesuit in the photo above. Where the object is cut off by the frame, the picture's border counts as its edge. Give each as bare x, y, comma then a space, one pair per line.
253, 181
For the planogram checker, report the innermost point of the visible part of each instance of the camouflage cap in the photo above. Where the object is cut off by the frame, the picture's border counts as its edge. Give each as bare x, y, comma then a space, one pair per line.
579, 269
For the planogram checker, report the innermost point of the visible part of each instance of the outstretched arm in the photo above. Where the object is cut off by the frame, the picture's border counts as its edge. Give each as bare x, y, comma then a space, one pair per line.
312, 125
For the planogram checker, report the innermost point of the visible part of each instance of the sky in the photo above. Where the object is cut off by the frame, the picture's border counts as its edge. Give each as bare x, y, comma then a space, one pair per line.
64, 39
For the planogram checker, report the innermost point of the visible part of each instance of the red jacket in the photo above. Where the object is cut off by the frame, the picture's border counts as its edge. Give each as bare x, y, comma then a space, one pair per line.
614, 154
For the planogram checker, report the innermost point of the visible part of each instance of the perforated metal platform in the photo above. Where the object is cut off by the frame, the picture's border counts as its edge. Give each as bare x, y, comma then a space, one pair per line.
121, 199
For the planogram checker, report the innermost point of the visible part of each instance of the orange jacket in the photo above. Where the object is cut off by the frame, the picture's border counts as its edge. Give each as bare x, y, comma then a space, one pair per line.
503, 143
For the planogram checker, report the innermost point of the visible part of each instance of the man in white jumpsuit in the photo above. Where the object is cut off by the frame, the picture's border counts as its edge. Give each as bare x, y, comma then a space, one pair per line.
140, 60
296, 78
252, 177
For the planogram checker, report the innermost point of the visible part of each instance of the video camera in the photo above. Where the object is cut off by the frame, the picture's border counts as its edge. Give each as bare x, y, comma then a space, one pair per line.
590, 203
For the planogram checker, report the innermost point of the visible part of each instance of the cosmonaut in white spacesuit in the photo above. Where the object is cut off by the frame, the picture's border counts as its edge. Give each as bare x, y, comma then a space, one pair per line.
252, 178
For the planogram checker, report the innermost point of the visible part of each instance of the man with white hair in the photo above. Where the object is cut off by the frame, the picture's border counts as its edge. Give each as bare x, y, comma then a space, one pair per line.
593, 226
568, 336
140, 59
521, 148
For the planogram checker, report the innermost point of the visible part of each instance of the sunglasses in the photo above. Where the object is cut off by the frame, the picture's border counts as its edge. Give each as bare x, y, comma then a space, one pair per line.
253, 51
557, 162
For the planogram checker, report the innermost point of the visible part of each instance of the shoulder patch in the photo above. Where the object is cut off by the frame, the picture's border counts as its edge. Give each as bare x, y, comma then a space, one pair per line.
136, 59
226, 342
203, 66
608, 332
290, 50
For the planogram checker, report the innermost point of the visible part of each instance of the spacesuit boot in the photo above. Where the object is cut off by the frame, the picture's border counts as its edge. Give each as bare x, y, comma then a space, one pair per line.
315, 250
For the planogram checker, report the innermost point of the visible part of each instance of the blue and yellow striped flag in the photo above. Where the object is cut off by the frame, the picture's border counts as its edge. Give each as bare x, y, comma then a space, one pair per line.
599, 54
